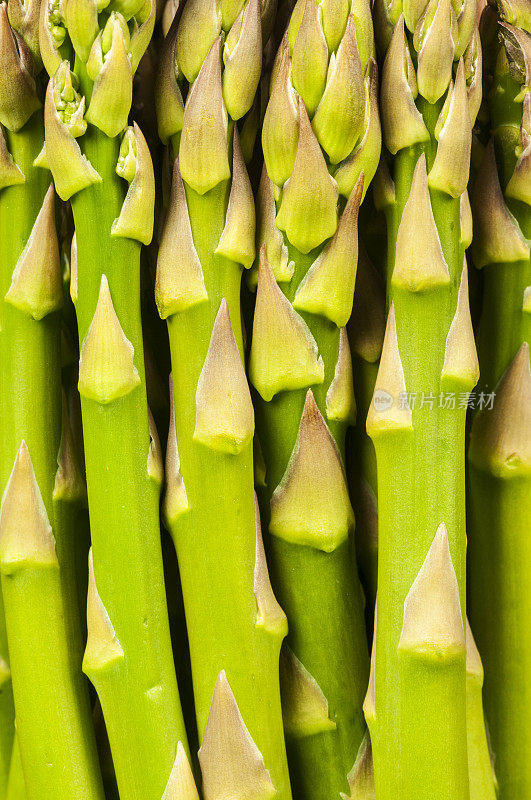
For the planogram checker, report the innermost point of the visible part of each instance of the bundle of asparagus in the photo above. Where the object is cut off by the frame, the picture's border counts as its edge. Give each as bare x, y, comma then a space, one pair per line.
270, 162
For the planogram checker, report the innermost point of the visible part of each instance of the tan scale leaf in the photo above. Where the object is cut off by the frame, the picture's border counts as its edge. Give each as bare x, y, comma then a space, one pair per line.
69, 485
181, 784
304, 706
175, 498
231, 764
103, 650
238, 238
361, 776
461, 365
433, 626
36, 285
106, 368
224, 411
419, 261
26, 538
269, 616
311, 506
340, 399
179, 284
389, 409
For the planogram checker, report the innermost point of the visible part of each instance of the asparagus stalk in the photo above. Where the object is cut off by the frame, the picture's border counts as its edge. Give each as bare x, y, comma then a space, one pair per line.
54, 724
321, 142
128, 656
32, 295
431, 88
234, 623
500, 447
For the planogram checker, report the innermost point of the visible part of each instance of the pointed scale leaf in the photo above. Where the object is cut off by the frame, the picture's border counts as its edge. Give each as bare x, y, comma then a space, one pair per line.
433, 626
138, 209
199, 27
270, 617
112, 95
230, 9
474, 667
461, 366
238, 238
168, 97
203, 153
402, 122
24, 19
309, 59
280, 132
224, 411
10, 173
284, 353
500, 440
497, 235
36, 285
466, 25
361, 777
338, 121
328, 286
81, 20
175, 498
18, 94
181, 784
179, 283
155, 470
437, 50
26, 538
69, 486
413, 11
231, 764
311, 506
451, 167
519, 186
389, 410
365, 157
419, 260
340, 399
335, 14
71, 170
243, 64
308, 209
48, 30
526, 306
304, 706
268, 235
103, 650
106, 367
142, 33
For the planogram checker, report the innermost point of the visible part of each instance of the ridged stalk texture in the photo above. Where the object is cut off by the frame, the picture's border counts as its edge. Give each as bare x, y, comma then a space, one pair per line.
416, 704
500, 443
104, 168
212, 58
42, 615
321, 141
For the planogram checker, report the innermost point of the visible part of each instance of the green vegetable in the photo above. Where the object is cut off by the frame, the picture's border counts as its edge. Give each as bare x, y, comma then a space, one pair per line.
500, 447
93, 156
416, 706
235, 626
321, 141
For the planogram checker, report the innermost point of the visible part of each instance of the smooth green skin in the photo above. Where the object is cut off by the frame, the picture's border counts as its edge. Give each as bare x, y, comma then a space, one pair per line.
480, 769
54, 725
30, 389
500, 606
218, 532
139, 696
16, 787
500, 508
420, 485
320, 592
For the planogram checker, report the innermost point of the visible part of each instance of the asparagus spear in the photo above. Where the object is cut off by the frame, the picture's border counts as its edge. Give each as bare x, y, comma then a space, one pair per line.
54, 724
431, 88
500, 448
234, 623
321, 142
31, 400
128, 656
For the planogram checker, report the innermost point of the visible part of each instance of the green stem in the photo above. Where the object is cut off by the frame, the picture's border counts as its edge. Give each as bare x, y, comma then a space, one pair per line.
138, 692
218, 530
